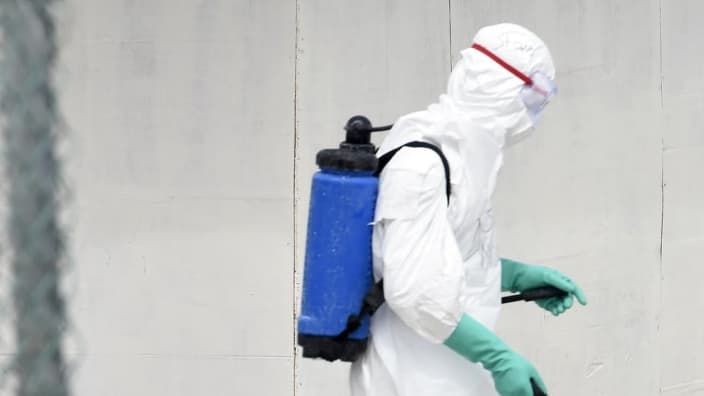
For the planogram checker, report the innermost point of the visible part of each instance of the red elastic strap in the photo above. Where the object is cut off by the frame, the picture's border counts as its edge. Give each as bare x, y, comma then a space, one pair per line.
505, 65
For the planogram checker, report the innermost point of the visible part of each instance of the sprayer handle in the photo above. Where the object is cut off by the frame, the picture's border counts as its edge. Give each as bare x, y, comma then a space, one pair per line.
536, 391
535, 294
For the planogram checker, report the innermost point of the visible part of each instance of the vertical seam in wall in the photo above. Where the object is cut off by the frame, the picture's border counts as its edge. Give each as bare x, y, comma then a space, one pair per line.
449, 18
662, 149
662, 77
662, 204
295, 193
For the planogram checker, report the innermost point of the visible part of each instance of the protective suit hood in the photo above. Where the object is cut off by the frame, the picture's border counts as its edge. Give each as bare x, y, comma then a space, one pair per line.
482, 95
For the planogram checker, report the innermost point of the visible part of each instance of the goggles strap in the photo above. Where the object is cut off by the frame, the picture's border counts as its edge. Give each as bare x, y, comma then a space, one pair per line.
527, 80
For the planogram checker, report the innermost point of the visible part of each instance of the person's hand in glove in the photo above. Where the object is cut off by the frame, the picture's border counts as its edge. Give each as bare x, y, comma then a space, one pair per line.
519, 277
512, 373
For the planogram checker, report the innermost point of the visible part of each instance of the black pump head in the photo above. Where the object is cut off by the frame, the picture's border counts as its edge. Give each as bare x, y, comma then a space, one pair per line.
359, 130
356, 153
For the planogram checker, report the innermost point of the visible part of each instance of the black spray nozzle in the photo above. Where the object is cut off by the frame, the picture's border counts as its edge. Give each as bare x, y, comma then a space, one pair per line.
359, 130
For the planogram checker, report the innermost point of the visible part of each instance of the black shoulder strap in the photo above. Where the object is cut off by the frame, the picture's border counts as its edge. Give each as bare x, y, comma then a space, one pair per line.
375, 296
384, 160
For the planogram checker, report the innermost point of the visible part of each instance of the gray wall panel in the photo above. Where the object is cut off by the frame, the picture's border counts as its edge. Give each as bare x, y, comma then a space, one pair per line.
182, 116
682, 332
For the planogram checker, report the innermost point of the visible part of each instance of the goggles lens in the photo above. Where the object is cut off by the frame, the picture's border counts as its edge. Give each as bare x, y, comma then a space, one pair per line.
537, 95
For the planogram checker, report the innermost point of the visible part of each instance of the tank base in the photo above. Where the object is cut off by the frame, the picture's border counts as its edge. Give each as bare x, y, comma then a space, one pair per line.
330, 349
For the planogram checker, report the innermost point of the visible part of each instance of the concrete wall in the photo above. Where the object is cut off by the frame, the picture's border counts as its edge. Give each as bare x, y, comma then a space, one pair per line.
194, 127
182, 117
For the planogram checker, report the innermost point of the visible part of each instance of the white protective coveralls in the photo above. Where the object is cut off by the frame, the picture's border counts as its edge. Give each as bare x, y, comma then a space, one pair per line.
439, 262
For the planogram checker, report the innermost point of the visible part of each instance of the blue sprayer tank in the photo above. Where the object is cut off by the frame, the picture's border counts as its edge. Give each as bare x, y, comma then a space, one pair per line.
338, 257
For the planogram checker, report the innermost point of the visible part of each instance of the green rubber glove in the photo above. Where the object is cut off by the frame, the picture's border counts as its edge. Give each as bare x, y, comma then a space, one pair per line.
519, 277
512, 372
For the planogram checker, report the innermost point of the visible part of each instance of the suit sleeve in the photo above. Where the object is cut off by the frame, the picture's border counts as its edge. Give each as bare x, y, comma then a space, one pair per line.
418, 253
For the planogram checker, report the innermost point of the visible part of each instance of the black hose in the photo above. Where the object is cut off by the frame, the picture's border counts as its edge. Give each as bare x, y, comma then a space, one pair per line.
381, 128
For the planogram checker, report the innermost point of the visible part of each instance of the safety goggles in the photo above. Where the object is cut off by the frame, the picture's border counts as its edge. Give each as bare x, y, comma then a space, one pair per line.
538, 89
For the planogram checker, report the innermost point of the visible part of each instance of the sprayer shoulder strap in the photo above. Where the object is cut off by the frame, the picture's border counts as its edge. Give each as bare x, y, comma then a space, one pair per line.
386, 158
375, 296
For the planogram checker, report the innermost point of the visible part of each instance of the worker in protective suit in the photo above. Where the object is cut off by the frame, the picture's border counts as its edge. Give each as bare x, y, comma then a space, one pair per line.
442, 275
